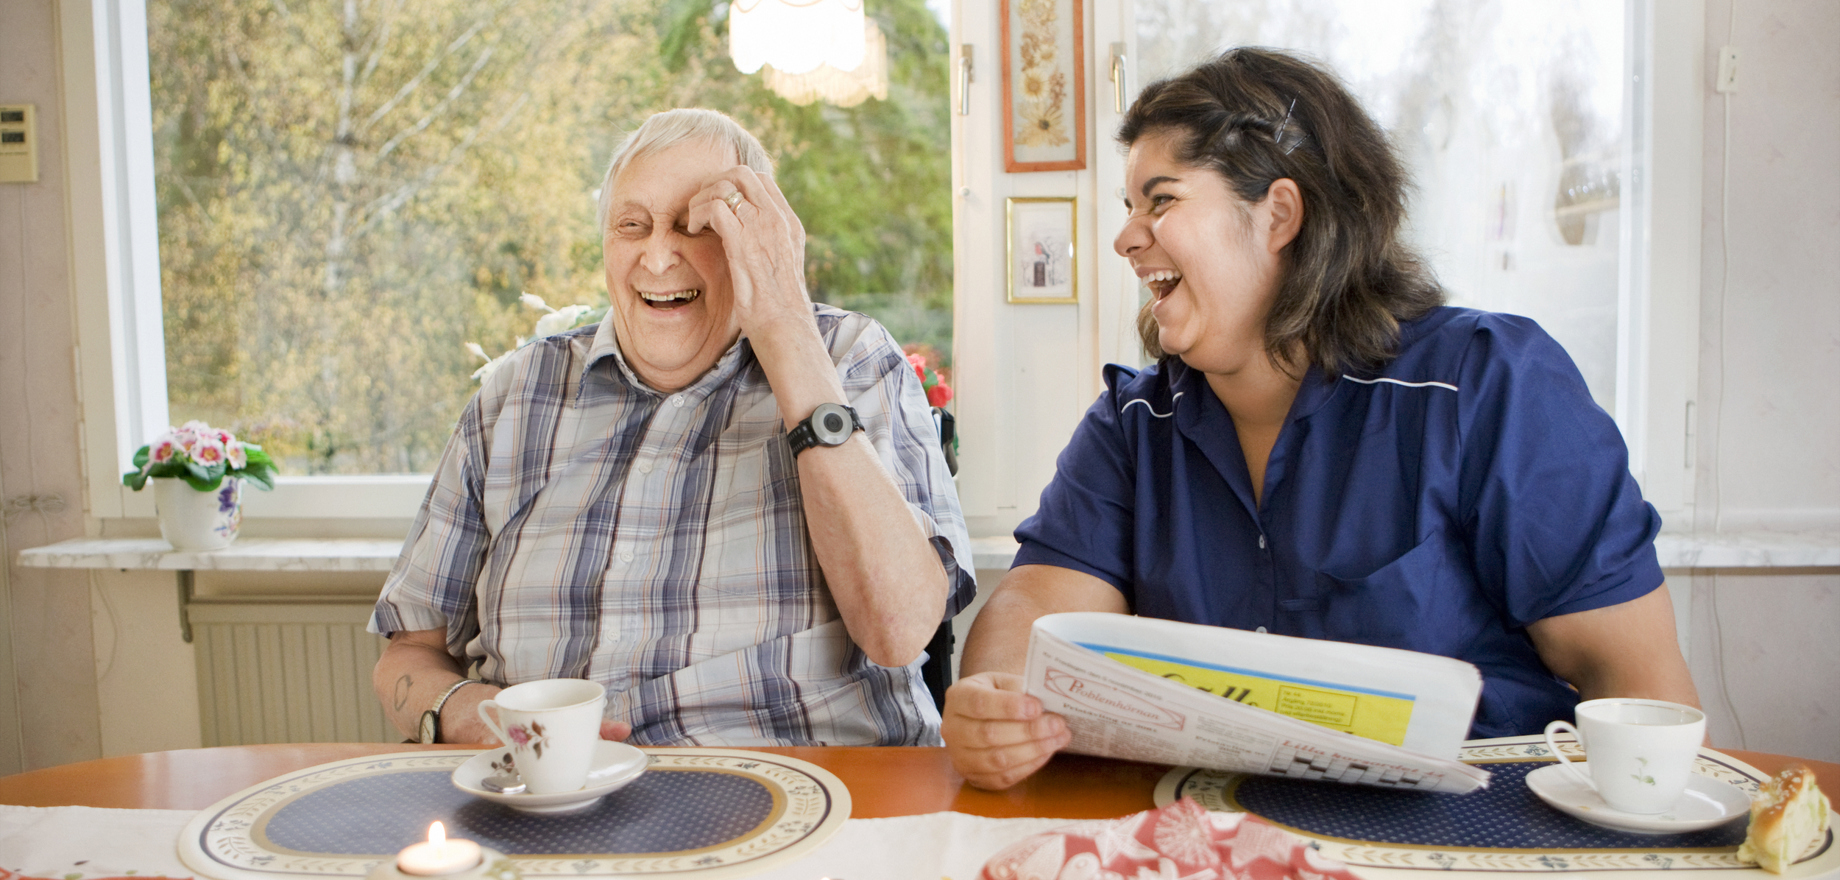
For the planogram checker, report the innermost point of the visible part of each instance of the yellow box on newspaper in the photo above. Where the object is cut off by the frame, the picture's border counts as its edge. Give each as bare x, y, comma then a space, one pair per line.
1376, 716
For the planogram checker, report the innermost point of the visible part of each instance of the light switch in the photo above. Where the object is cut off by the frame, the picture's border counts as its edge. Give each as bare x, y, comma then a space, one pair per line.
18, 144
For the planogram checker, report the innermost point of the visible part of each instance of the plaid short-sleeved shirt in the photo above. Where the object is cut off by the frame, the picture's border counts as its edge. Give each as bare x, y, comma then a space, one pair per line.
584, 525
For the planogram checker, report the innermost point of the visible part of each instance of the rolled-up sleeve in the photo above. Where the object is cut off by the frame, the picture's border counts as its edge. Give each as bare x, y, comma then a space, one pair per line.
432, 584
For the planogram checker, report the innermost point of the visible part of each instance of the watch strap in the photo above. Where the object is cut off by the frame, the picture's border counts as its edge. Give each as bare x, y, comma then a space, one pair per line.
804, 435
434, 728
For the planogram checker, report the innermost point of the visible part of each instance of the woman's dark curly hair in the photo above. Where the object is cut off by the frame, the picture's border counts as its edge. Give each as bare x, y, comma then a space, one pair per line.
1258, 115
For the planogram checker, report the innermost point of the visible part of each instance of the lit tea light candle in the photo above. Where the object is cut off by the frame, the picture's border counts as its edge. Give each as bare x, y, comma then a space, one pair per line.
439, 855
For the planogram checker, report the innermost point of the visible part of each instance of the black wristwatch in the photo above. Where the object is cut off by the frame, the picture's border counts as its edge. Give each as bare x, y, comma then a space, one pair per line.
829, 425
429, 730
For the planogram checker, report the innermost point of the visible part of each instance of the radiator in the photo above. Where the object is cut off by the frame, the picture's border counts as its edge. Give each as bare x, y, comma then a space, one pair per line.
279, 673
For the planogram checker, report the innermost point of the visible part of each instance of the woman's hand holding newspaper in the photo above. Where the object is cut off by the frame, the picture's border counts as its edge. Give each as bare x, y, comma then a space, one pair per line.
997, 735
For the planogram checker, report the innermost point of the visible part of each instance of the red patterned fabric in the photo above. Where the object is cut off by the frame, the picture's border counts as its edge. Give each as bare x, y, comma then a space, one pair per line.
1182, 841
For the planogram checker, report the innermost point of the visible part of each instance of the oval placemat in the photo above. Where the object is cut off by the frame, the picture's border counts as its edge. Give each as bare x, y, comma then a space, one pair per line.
697, 814
1502, 828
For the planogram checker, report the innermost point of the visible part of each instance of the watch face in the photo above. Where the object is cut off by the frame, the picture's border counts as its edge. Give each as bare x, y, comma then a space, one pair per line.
832, 424
425, 730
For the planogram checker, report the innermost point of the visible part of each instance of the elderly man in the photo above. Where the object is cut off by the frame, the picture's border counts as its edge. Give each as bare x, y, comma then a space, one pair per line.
726, 504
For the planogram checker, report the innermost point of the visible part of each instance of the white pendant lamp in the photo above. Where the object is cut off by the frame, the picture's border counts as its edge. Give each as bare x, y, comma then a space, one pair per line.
795, 36
843, 88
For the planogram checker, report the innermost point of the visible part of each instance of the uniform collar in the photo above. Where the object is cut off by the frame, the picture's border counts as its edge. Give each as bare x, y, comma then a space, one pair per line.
1204, 420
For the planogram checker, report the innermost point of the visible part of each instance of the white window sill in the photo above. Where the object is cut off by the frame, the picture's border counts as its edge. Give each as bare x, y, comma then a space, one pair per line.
1678, 552
247, 554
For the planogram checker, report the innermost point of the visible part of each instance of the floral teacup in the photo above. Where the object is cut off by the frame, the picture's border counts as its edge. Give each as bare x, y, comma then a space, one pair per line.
549, 729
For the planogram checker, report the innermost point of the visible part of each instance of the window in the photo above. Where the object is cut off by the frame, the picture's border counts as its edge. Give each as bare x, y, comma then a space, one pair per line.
1511, 118
347, 195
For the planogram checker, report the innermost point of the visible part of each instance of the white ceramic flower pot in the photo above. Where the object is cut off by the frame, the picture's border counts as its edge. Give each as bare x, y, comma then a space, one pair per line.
194, 520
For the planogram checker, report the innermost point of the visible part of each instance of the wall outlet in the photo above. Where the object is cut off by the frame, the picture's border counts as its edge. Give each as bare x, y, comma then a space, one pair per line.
1728, 70
18, 144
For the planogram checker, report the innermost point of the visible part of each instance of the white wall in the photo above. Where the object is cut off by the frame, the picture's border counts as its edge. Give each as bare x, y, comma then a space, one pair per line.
49, 616
1766, 646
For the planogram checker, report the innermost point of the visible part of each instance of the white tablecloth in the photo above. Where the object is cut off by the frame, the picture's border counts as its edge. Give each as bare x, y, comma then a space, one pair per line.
79, 843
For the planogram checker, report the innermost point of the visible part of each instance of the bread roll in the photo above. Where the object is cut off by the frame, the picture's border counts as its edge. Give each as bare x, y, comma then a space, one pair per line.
1788, 815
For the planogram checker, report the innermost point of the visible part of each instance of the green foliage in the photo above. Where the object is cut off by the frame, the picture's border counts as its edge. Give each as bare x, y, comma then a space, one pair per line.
350, 192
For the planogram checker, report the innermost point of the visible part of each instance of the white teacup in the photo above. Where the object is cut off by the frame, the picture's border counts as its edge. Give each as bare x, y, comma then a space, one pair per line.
551, 727
1639, 752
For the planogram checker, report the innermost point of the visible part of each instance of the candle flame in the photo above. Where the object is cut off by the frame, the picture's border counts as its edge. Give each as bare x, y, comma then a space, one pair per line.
437, 836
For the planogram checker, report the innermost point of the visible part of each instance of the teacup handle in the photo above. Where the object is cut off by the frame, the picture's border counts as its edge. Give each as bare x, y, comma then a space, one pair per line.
493, 725
1565, 762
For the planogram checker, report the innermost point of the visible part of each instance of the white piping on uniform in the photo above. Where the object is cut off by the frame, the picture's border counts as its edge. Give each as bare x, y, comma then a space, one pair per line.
1402, 382
1146, 403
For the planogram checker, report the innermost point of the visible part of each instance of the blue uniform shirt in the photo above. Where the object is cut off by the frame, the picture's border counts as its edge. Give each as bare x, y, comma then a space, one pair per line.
1465, 490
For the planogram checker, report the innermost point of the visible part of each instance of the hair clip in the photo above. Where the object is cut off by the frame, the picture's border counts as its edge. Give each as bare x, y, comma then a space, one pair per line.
1277, 138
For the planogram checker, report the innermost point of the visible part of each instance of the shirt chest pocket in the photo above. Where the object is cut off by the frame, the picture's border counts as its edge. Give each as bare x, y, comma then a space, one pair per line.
756, 479
756, 526
1418, 600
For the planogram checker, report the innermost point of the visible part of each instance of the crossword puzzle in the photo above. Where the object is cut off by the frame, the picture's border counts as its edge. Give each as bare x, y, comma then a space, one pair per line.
1297, 763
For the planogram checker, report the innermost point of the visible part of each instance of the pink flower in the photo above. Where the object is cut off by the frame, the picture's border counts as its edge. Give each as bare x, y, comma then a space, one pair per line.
207, 451
919, 365
939, 395
164, 450
237, 455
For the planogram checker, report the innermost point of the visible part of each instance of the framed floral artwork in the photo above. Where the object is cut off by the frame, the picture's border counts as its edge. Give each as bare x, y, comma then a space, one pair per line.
1044, 85
1041, 250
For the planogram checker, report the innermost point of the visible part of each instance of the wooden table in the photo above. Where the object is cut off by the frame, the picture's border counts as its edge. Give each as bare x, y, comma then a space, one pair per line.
882, 781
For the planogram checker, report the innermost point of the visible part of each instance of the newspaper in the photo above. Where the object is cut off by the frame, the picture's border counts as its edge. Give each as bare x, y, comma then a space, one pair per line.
1133, 688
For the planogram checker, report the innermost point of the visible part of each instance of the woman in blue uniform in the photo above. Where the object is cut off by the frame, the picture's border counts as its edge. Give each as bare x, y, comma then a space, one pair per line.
1323, 449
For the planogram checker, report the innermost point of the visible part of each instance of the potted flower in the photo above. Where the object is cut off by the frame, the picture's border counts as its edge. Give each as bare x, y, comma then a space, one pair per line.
921, 357
197, 473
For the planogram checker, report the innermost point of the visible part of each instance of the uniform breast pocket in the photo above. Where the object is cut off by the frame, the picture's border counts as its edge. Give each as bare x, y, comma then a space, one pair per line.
1405, 602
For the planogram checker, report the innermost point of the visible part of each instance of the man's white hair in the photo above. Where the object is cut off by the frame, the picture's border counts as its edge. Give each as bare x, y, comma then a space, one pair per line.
672, 127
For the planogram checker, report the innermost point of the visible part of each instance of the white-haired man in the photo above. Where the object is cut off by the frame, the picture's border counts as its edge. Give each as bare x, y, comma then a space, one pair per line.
723, 502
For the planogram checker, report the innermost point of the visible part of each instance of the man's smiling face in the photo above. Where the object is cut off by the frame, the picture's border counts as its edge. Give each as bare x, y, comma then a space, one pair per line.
672, 303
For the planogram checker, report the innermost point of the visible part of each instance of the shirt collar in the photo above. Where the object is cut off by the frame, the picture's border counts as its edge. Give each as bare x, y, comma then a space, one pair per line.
606, 347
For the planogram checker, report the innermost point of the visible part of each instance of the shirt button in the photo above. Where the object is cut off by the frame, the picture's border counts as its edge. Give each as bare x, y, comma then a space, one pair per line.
626, 555
644, 465
677, 400
1261, 542
1260, 629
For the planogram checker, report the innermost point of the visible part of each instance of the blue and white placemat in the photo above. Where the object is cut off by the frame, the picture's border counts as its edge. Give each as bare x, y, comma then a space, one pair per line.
702, 814
1501, 828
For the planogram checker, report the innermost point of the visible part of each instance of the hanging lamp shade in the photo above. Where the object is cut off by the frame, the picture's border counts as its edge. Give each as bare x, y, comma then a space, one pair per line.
795, 36
844, 88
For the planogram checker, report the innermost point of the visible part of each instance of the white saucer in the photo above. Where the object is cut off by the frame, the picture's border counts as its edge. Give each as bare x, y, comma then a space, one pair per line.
1706, 803
615, 764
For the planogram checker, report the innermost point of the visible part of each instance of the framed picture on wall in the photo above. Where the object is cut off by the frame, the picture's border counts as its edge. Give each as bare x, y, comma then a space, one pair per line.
1044, 85
1041, 250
